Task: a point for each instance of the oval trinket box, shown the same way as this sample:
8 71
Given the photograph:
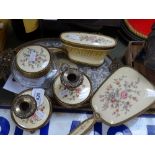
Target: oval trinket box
87 48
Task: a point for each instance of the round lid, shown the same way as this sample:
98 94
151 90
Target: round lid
39 118
72 98
33 61
88 40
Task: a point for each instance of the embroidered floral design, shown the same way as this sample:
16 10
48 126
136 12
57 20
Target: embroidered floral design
70 94
124 94
94 39
120 95
35 118
89 38
33 58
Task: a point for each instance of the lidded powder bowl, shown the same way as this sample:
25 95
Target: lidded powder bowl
33 61
34 66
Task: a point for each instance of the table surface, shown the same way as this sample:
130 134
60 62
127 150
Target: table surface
69 119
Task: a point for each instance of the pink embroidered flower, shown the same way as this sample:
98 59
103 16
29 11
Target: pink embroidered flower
113 100
124 94
77 90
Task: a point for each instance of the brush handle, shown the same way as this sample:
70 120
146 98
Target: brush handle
84 127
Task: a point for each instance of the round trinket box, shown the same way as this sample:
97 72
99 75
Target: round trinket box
33 61
28 112
72 88
34 66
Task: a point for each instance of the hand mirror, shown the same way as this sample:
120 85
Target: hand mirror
124 95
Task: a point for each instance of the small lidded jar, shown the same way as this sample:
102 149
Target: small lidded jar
33 61
72 88
34 66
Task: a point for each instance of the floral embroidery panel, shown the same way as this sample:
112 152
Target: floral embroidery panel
90 39
95 39
33 58
120 95
71 95
35 117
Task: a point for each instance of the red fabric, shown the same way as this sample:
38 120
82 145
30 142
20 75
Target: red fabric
142 26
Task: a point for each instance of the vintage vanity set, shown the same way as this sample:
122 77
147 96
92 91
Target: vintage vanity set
122 96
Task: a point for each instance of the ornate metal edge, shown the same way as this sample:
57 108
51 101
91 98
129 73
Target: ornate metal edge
19 97
66 82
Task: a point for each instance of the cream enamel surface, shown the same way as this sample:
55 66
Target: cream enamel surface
146 98
75 37
27 124
84 94
92 57
26 67
86 59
